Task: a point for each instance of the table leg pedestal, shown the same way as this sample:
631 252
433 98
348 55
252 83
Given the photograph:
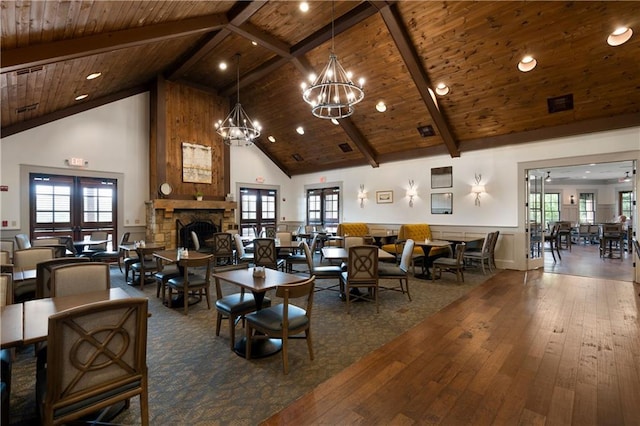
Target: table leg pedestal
260 348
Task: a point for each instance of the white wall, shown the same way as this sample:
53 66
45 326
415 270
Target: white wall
113 138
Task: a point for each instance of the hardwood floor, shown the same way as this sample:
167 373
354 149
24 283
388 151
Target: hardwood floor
585 260
561 349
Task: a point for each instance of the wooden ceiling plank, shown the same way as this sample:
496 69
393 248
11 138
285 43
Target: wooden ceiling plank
255 75
359 140
42 54
238 14
399 34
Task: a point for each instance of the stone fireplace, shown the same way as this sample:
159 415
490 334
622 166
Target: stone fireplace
162 216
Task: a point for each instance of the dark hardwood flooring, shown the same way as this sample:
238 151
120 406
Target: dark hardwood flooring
561 349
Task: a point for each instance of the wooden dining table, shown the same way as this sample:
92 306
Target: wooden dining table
258 286
426 246
28 322
340 253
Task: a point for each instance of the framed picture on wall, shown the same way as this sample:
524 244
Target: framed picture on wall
442 177
384 197
196 163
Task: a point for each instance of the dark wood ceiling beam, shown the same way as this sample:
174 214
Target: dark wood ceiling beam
75 109
42 54
407 51
341 24
241 12
264 39
359 140
273 159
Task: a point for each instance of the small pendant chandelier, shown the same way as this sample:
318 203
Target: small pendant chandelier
238 129
333 94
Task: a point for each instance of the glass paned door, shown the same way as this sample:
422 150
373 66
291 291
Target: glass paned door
258 211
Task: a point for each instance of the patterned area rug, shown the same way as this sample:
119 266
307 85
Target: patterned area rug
195 379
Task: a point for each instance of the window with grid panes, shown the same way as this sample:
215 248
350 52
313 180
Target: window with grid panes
551 207
587 207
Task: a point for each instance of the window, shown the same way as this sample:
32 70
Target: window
72 206
552 207
257 210
587 207
323 207
625 203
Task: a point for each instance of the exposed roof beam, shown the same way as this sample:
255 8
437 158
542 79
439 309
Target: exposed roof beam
75 109
264 39
359 140
238 14
407 51
42 54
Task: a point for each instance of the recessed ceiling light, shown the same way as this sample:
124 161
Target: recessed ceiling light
81 97
94 75
300 130
222 66
381 107
527 64
588 171
271 139
304 6
442 89
255 43
619 36
334 121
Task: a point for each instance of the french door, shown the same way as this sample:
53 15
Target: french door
323 207
258 210
72 206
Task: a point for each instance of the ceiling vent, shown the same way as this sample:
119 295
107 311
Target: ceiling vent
29 70
560 103
345 147
297 157
426 131
26 108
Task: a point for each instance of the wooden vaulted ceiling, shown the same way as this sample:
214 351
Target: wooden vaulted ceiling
401 48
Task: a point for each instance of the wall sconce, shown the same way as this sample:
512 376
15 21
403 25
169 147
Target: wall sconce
478 188
411 192
362 195
573 201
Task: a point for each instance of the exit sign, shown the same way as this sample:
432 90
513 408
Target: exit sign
78 162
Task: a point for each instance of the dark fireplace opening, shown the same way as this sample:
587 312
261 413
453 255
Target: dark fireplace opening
203 228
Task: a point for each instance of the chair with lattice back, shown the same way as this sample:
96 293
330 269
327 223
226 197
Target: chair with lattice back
362 273
96 357
265 254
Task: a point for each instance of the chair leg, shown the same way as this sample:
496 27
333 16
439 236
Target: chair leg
249 334
285 355
218 323
307 333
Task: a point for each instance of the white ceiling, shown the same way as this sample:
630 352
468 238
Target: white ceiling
609 172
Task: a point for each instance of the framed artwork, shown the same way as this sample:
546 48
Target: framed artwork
442 203
442 177
196 163
384 197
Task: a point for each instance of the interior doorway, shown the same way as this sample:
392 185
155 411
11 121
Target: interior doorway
592 193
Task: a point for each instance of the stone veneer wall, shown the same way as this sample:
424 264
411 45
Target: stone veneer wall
161 225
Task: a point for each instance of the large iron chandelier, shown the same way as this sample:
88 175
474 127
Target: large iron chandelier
332 94
238 129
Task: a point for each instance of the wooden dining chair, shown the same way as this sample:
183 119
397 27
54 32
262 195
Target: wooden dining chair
222 248
96 356
77 278
234 306
25 260
194 281
391 271
265 254
284 321
453 264
43 273
362 273
241 255
147 265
